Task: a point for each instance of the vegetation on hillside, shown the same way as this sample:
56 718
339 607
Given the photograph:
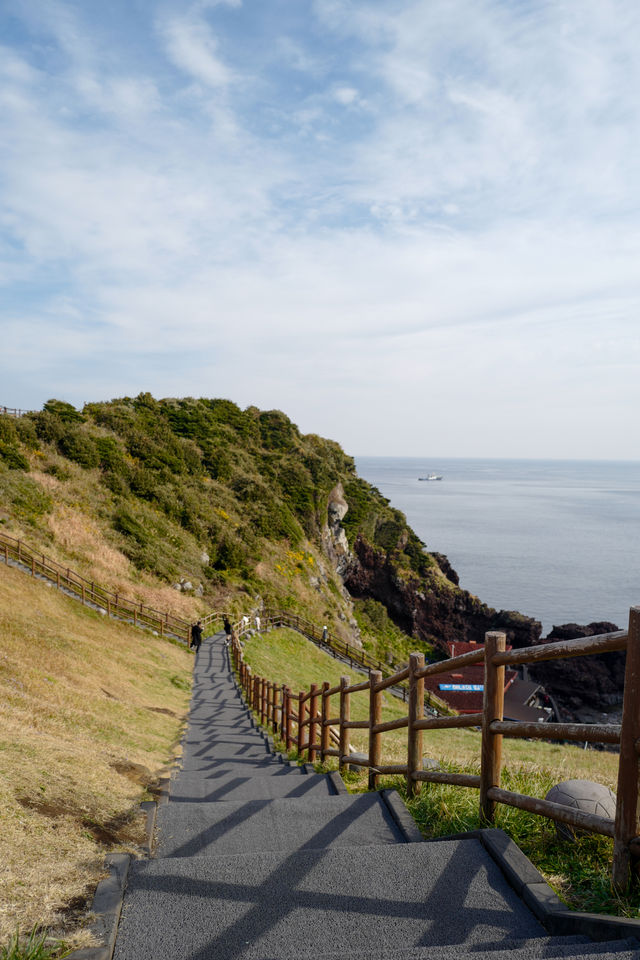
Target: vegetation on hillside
233 501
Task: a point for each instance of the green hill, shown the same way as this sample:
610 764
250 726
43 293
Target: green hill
144 495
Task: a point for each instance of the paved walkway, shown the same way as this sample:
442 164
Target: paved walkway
259 860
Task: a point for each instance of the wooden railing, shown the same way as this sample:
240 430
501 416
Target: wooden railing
355 656
308 729
88 591
14 411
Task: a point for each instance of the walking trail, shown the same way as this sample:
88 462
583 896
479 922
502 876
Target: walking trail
260 860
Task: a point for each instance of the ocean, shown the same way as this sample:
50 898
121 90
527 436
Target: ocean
556 540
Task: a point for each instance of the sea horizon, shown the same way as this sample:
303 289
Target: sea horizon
554 539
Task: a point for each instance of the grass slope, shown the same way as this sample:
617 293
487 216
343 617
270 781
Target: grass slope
89 713
579 872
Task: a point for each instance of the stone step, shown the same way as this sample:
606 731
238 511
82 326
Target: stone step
219 789
537 948
209 766
293 905
287 824
217 750
237 767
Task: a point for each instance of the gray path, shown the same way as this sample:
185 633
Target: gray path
260 860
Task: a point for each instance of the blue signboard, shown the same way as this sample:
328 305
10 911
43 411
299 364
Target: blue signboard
464 687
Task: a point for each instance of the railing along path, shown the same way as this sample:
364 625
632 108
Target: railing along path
89 592
306 721
312 729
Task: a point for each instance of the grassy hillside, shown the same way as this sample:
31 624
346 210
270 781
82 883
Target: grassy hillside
140 494
579 872
90 711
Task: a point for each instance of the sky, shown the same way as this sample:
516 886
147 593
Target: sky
411 225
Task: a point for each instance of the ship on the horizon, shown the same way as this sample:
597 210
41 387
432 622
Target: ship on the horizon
432 476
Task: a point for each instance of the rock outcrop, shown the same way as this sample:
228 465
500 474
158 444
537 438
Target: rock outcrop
594 683
432 608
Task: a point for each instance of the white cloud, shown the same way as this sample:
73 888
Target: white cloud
193 47
458 247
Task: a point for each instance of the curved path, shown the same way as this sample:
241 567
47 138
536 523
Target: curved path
259 860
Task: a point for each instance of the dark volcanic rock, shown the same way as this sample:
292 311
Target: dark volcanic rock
432 608
595 682
445 566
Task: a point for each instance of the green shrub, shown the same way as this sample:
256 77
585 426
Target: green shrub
26 430
64 411
23 497
79 446
12 457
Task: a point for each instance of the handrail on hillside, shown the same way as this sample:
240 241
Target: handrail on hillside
90 592
309 730
14 411
357 657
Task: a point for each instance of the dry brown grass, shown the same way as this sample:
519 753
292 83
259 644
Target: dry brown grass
89 713
71 536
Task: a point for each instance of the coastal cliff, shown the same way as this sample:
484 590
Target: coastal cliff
218 505
431 608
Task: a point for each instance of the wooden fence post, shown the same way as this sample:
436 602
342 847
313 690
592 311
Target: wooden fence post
493 707
345 716
416 712
286 717
313 722
626 823
375 717
325 729
302 710
263 701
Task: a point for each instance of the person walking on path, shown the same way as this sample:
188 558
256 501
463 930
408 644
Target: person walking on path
227 628
196 635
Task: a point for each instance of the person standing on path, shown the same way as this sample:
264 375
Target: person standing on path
196 635
227 628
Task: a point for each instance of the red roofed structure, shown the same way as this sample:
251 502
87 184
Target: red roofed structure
463 688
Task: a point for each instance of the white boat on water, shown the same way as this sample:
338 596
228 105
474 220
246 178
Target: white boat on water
432 476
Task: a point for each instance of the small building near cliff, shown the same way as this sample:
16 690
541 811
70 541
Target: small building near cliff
463 689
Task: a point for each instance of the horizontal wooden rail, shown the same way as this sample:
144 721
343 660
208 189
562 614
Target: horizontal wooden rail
444 666
356 687
448 723
556 811
439 776
356 724
331 752
603 643
392 768
393 680
580 732
357 761
391 725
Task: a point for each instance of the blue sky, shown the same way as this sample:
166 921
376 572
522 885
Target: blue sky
412 226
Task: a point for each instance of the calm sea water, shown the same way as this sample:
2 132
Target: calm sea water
556 540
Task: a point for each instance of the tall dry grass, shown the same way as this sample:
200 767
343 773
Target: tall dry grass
89 713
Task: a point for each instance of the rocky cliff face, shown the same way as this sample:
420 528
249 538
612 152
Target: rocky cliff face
435 609
583 684
432 608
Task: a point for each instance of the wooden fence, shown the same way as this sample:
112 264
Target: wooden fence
306 721
14 411
354 656
90 592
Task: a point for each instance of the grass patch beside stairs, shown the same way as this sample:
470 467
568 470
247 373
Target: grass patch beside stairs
90 711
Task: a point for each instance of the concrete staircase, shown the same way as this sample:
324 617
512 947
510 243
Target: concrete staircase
260 860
